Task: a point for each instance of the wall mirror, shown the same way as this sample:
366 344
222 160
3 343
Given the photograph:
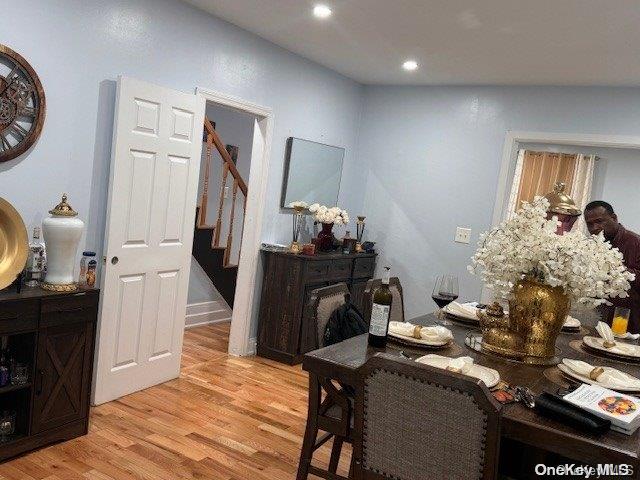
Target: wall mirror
312 173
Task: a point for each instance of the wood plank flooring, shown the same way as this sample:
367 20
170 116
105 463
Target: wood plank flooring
225 418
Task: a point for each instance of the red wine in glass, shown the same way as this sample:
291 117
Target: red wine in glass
444 292
443 299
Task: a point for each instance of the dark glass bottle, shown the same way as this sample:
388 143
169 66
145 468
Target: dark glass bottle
380 311
5 368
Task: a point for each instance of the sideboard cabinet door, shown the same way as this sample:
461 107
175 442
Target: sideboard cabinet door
62 375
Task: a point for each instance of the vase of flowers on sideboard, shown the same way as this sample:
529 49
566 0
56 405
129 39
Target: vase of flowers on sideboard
328 217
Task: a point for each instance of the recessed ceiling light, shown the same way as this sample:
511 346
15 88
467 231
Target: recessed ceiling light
410 65
322 11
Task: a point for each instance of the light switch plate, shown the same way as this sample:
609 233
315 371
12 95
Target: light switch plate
463 235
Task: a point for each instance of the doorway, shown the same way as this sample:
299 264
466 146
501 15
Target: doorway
248 276
222 198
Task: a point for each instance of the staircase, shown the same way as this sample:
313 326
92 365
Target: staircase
213 256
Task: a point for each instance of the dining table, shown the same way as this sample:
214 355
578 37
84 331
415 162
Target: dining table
520 424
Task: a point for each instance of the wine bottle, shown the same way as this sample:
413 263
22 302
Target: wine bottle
380 311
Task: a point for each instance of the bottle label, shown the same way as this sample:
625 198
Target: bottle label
379 320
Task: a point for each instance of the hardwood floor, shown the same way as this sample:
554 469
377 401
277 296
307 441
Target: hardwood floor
225 418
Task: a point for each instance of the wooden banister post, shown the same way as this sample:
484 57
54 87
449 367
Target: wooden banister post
227 253
202 220
223 184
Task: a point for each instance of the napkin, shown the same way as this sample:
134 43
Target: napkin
611 377
464 310
406 329
459 365
606 333
571 322
628 335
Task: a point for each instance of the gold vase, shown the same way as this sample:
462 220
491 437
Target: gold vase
536 315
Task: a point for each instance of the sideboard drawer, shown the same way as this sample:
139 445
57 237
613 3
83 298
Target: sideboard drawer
317 270
68 309
341 269
18 316
364 267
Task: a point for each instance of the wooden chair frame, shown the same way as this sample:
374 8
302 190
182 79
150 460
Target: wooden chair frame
426 373
318 418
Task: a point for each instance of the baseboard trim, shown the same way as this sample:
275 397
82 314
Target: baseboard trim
204 313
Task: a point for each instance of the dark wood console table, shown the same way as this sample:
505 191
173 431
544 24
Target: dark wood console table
54 335
286 287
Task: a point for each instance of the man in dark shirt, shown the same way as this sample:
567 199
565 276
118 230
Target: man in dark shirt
600 217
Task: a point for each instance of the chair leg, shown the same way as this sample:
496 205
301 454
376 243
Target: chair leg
336 450
311 431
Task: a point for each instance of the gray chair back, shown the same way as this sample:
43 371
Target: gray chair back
397 305
415 422
322 303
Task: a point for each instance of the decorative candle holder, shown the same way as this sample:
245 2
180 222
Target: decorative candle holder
359 233
297 226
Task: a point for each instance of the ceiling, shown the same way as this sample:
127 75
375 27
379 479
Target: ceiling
456 42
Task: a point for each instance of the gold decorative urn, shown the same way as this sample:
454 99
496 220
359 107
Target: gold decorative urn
529 332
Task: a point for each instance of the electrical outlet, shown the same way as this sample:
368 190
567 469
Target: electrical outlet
463 235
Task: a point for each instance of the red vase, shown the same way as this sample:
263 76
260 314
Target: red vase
325 237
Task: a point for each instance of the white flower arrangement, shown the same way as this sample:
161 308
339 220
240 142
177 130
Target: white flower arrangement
326 214
299 205
586 267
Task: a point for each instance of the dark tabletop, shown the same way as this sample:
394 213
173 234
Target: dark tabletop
340 362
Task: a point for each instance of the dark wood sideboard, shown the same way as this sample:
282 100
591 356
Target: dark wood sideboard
286 287
54 334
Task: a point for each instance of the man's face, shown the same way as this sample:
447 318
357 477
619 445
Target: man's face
599 220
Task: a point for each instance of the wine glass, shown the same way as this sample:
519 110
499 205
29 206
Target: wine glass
444 292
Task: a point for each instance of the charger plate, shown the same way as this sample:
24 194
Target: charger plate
14 244
418 342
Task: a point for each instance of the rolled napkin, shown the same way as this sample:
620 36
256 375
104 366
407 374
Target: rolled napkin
610 377
436 333
606 333
628 336
571 322
460 365
464 310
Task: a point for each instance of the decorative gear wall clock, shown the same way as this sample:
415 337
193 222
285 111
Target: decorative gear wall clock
22 105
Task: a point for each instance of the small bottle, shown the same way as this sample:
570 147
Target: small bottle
82 278
346 243
5 368
380 311
35 262
91 272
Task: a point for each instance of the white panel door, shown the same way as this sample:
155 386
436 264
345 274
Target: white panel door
153 187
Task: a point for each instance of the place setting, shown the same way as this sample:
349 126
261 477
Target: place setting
608 345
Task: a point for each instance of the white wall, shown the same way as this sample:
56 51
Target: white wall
79 47
430 157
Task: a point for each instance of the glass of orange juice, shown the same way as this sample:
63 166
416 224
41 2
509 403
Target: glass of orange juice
620 320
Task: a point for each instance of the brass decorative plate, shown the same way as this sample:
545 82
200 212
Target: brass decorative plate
14 244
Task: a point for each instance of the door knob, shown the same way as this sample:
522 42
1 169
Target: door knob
114 260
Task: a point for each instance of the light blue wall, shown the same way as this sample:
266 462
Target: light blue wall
79 47
430 157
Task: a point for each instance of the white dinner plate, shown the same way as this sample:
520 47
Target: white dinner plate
621 348
567 371
420 341
489 376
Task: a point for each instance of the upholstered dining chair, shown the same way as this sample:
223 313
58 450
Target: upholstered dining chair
330 406
417 422
397 305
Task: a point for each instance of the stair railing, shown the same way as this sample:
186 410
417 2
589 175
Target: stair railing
228 167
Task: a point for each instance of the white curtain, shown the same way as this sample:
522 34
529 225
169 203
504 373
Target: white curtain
582 183
515 186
